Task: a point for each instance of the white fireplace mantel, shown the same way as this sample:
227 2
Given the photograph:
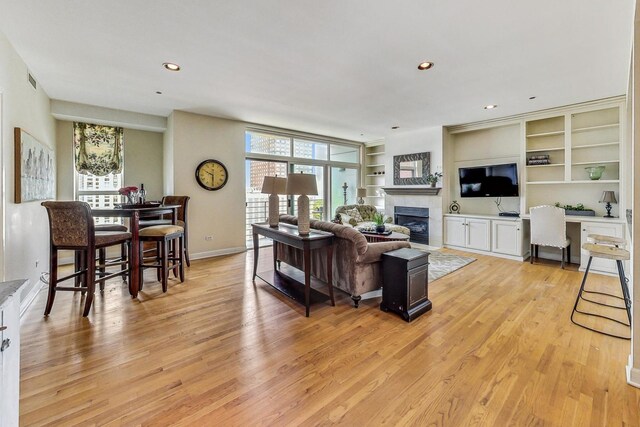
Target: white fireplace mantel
410 191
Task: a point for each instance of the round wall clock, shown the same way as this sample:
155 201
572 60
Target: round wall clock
211 175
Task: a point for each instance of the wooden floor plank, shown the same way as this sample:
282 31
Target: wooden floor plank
497 348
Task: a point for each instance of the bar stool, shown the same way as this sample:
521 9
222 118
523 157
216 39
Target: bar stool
181 220
71 227
169 257
102 253
606 247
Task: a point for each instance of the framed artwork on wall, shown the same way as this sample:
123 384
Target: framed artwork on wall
35 169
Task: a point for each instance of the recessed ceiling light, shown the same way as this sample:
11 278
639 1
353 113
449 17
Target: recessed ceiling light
532 97
425 65
171 66
490 107
395 127
158 92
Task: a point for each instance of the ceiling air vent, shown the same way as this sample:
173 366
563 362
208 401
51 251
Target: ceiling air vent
32 80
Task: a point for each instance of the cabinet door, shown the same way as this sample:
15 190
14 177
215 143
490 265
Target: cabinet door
478 234
599 264
506 237
454 231
10 386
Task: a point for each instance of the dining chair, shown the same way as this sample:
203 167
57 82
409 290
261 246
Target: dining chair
169 256
181 220
71 227
548 228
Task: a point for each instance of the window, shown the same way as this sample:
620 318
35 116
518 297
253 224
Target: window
98 152
336 166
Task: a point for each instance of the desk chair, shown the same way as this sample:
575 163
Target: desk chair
71 227
548 228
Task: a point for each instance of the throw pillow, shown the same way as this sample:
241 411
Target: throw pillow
355 214
347 220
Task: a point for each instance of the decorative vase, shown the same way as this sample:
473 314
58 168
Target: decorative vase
380 228
595 172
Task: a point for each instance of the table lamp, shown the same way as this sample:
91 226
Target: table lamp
361 193
274 185
304 185
608 197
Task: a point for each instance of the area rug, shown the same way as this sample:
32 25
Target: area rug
441 264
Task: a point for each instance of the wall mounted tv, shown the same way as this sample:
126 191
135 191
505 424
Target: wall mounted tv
489 181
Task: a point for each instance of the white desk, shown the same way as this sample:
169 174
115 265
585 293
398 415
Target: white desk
592 225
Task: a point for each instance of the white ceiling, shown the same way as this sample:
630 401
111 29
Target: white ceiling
335 67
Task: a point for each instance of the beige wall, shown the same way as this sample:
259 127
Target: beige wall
143 160
212 213
25 247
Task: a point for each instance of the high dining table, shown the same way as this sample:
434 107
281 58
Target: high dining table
134 213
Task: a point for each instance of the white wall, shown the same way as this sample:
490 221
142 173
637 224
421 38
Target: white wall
25 225
425 140
221 213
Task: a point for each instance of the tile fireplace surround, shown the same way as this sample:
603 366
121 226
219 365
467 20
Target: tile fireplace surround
434 203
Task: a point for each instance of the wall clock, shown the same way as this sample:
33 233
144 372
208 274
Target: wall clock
211 175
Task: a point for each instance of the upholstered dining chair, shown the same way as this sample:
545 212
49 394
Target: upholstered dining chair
548 228
71 227
182 220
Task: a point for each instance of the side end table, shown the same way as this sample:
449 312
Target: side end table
405 288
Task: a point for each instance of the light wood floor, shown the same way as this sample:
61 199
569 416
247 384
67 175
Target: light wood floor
497 349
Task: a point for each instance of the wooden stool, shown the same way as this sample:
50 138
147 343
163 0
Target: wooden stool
165 236
601 239
606 252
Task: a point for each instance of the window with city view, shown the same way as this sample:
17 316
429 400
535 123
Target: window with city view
271 154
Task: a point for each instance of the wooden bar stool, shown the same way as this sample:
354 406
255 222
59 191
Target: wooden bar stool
605 251
102 253
71 227
169 257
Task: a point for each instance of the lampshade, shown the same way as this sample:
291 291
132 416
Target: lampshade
274 185
608 197
362 192
302 183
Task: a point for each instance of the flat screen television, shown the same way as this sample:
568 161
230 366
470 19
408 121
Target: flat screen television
489 181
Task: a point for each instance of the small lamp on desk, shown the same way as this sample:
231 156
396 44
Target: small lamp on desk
274 185
361 193
304 185
608 197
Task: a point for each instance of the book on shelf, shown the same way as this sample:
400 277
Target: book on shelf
538 162
539 157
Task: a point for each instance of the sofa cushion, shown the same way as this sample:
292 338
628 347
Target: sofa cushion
355 214
347 220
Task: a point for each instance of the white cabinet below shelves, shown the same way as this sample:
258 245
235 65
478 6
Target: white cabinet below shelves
507 237
471 233
499 237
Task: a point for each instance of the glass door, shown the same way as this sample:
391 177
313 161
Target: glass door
344 183
257 204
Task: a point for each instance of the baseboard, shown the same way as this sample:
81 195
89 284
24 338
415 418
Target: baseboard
31 297
633 374
219 252
495 254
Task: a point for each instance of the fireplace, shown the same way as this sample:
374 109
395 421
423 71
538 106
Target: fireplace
416 220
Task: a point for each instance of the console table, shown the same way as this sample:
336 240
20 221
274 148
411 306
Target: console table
289 285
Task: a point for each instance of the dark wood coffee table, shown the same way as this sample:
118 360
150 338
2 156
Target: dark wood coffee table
374 237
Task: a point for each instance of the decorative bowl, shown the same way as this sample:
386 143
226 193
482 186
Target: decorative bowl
595 172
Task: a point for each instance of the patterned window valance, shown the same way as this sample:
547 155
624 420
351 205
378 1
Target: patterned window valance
98 149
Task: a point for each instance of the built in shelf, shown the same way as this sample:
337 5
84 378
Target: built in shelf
545 166
537 135
380 175
374 185
596 163
409 191
539 150
588 181
589 128
377 153
374 166
604 144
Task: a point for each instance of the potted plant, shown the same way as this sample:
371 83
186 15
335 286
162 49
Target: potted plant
433 178
579 209
378 220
